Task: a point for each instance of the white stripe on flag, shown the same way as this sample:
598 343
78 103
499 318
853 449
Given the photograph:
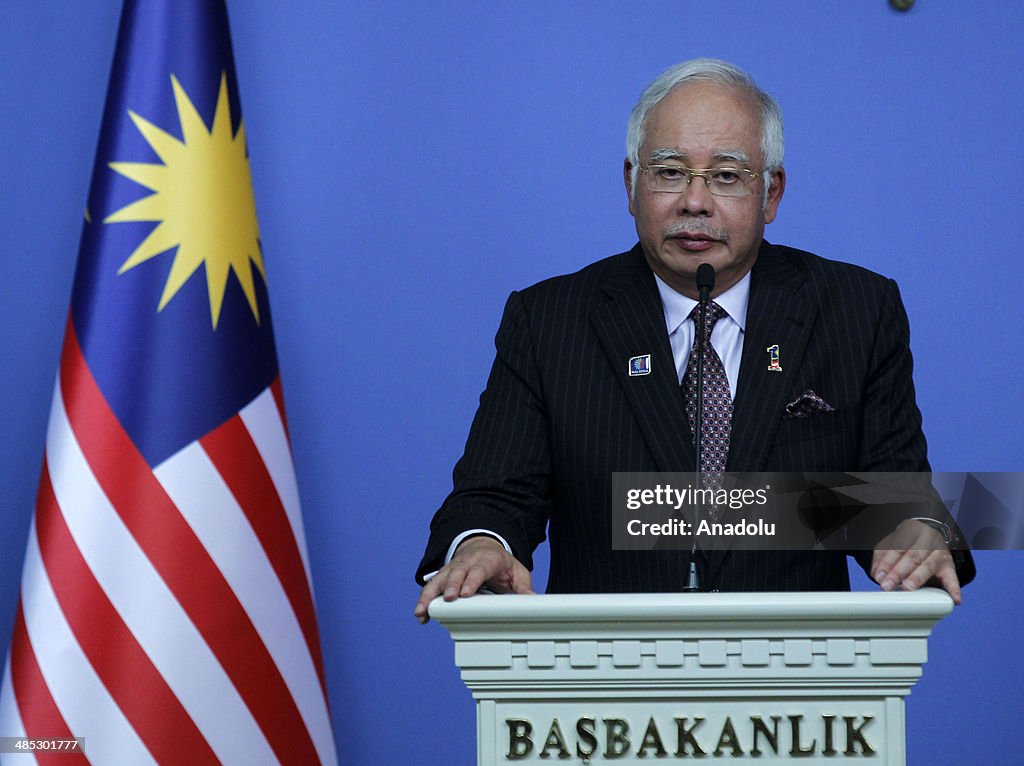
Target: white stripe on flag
263 421
147 606
80 696
10 721
196 487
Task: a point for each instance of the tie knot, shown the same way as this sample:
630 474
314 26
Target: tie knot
714 313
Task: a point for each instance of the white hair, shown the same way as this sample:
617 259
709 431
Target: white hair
707 70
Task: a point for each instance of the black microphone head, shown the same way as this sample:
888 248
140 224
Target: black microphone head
705 278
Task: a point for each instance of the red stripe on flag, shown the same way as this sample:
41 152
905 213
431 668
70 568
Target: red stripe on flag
39 713
184 564
236 458
123 666
278 392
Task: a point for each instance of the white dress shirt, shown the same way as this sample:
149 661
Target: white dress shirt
726 336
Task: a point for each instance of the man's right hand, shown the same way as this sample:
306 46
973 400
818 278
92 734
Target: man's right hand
478 561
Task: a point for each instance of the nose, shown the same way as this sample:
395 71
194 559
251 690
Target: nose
697 198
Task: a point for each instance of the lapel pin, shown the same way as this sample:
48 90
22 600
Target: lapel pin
774 365
640 365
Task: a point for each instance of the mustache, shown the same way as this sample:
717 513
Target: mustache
697 227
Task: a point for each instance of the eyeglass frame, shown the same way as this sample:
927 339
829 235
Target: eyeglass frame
704 173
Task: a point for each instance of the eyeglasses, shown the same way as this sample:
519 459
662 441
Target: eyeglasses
722 182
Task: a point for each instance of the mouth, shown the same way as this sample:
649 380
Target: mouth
694 242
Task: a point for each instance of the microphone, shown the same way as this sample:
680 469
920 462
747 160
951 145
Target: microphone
705 284
705 281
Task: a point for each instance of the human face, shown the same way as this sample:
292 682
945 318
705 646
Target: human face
703 125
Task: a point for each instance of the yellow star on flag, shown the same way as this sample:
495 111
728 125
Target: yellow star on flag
203 200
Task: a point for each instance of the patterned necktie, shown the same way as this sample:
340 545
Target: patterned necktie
717 415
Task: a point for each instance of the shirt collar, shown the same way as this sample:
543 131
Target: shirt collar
677 306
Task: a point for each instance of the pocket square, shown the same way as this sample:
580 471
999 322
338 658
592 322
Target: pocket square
805 405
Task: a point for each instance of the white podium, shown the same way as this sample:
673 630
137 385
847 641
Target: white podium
766 678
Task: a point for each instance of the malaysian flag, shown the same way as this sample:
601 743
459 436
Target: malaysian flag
166 611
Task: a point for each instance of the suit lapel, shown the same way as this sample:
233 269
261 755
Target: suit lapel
630 324
777 314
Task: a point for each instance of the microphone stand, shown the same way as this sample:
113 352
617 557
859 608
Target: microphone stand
705 283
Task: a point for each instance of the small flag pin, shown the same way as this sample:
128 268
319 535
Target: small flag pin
640 365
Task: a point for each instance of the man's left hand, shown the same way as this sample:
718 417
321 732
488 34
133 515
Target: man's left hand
912 556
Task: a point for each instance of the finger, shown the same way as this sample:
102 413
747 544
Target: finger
523 587
430 591
921 574
907 562
911 535
937 569
476 575
515 579
883 562
522 580
947 577
454 578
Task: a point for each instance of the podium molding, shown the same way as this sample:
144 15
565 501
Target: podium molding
770 678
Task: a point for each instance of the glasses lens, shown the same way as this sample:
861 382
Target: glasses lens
668 178
728 182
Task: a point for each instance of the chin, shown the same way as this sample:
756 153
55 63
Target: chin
686 262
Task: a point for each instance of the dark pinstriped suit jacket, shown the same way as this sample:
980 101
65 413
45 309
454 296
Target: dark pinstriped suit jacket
560 414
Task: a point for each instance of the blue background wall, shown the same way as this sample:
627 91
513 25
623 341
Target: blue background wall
415 162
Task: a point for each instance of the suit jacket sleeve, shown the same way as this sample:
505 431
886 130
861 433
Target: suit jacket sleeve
502 482
892 437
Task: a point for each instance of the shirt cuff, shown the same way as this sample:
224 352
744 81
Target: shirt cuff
458 541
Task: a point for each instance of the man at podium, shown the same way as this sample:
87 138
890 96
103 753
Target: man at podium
805 366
